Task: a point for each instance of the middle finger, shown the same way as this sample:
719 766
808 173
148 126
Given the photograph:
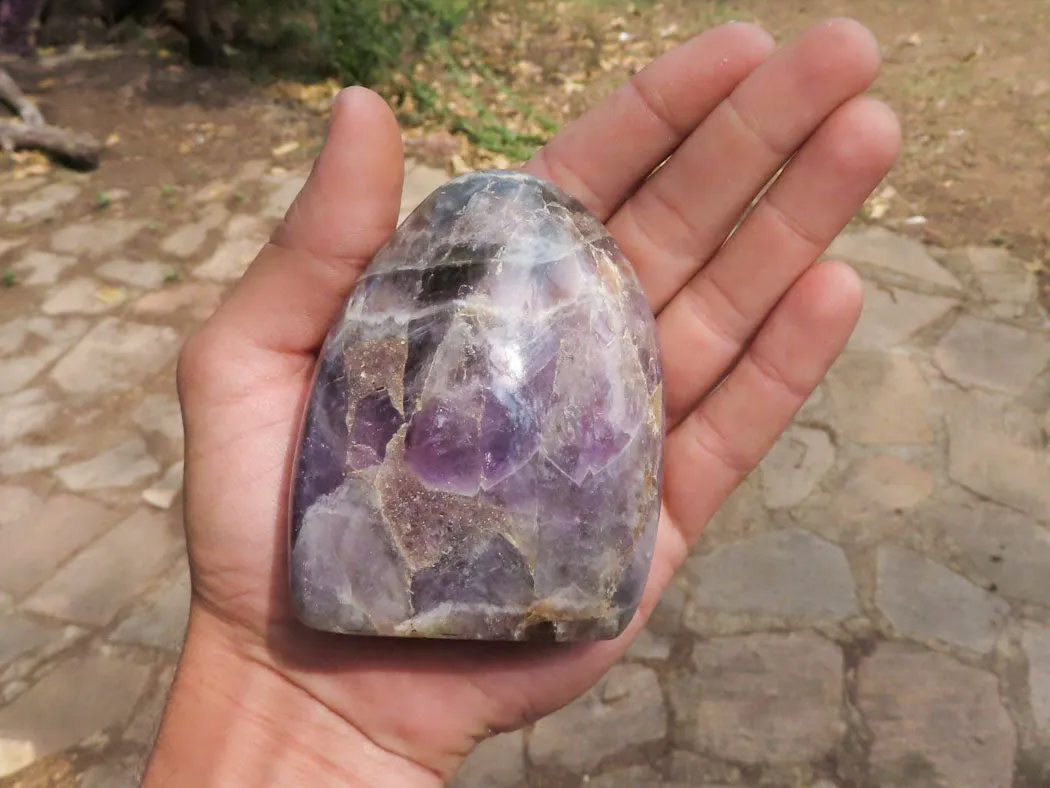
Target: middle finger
682 215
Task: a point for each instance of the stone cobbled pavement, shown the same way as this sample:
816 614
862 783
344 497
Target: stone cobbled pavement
872 608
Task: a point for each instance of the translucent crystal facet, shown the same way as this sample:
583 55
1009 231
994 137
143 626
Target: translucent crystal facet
481 452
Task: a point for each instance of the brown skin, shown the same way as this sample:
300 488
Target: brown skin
258 699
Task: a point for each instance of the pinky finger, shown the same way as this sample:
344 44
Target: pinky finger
728 434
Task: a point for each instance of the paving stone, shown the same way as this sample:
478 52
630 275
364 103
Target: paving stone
24 412
160 414
60 527
163 493
1035 640
79 698
145 725
689 769
926 601
892 315
283 196
789 573
1000 275
162 624
13 335
25 330
19 371
629 777
84 296
245 236
19 186
42 268
246 225
992 355
419 183
211 192
761 698
795 466
884 483
121 466
625 708
96 237
8 244
666 618
116 355
43 203
882 249
106 576
15 755
144 275
990 454
25 458
199 298
650 646
936 723
20 635
187 240
880 399
118 774
498 762
15 503
1005 547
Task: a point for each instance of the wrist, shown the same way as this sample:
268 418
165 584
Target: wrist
231 721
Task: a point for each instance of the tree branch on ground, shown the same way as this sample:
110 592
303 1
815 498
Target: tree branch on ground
77 149
74 148
12 96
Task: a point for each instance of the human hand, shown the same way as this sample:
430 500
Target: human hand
259 698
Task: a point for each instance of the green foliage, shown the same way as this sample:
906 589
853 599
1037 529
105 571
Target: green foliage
8 278
364 40
480 124
358 41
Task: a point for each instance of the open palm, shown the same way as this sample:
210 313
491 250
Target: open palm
755 312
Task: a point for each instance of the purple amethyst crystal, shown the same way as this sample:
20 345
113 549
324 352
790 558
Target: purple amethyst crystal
481 452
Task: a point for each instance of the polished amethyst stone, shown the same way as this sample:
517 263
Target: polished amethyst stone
481 452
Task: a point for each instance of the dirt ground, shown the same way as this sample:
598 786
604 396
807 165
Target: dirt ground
970 80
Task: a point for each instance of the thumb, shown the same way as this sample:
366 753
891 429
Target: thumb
348 208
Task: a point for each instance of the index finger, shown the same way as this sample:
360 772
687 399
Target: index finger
602 156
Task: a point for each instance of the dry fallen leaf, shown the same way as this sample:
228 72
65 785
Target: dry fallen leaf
879 204
286 148
160 497
459 166
111 295
30 163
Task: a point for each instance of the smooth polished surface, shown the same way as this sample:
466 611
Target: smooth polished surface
480 456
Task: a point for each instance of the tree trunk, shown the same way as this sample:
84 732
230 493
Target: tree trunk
12 96
205 46
141 10
16 22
